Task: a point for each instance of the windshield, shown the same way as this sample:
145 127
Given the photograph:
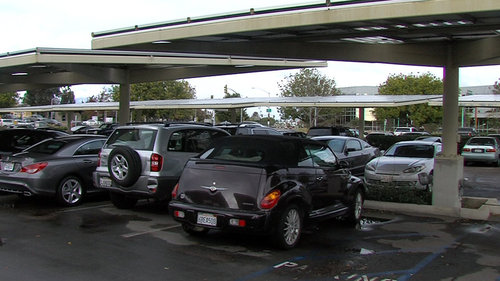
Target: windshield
411 150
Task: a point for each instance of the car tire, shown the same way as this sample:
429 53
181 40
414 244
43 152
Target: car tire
122 201
70 191
289 229
124 166
355 209
194 230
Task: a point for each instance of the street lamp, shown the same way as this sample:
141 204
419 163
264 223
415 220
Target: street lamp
241 109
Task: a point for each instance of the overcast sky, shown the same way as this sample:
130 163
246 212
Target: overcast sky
27 24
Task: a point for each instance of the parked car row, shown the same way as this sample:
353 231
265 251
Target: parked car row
260 184
29 123
212 180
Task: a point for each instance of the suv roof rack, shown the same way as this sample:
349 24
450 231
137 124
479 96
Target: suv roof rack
173 123
144 123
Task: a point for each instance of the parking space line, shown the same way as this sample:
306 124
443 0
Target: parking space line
133 234
404 274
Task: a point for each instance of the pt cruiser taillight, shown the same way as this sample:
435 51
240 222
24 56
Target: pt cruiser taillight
270 200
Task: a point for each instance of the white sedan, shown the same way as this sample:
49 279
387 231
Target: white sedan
406 164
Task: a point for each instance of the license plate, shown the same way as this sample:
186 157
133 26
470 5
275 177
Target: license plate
386 179
207 219
477 150
8 166
104 182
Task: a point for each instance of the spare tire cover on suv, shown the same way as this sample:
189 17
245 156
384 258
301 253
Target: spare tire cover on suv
124 165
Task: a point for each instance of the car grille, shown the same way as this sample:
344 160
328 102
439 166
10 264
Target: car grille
399 184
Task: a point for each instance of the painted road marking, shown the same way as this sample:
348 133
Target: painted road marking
133 234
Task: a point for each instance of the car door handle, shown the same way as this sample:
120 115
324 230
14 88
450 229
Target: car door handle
87 161
319 178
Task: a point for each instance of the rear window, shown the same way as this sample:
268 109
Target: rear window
193 140
251 151
320 132
139 139
482 141
47 147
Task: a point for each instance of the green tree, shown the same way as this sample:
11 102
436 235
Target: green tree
9 99
233 115
306 83
106 94
496 87
67 96
162 90
416 115
42 96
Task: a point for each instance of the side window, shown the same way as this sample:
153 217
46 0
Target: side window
321 156
192 140
90 148
260 132
305 159
353 145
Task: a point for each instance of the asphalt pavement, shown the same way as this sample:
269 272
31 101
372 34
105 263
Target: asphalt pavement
96 241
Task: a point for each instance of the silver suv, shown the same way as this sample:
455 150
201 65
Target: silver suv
146 161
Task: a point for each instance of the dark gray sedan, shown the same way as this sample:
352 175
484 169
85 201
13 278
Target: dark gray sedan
354 151
60 167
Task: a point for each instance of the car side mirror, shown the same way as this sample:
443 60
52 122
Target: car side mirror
343 164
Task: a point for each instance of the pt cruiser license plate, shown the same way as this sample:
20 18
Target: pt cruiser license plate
207 219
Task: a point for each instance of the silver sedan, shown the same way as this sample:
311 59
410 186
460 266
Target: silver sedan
406 164
60 167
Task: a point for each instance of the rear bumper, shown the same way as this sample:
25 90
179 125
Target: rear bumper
145 187
480 157
255 222
27 186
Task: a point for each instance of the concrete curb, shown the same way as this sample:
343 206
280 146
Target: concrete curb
475 208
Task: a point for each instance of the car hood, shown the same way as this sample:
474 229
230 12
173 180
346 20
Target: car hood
396 165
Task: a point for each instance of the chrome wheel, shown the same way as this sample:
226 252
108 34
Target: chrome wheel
358 206
70 191
119 166
292 226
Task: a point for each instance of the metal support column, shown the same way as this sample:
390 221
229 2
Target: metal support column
362 122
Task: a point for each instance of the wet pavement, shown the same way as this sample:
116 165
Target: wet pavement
95 241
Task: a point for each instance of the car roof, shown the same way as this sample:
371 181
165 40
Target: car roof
80 137
418 142
332 137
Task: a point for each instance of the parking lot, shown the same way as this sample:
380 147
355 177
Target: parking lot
96 241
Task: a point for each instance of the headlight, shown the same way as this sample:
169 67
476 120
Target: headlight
414 169
370 166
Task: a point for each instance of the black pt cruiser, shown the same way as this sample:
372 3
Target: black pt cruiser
269 185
